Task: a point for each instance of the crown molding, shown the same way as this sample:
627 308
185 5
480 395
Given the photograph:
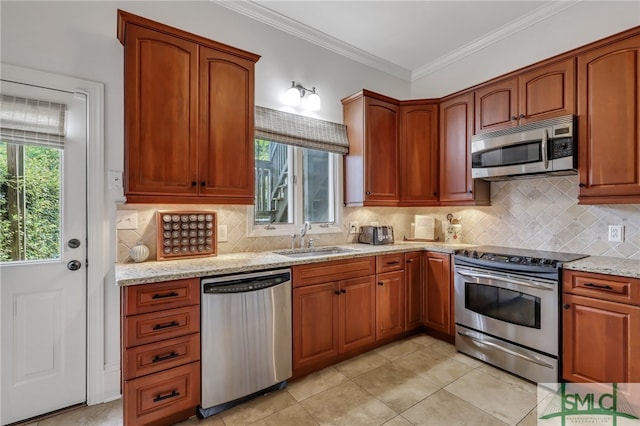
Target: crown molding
513 27
276 20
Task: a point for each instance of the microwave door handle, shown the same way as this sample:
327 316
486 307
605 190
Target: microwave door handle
545 156
505 279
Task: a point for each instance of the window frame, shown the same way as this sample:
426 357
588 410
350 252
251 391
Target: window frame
318 228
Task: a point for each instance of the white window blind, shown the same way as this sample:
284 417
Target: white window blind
32 122
298 130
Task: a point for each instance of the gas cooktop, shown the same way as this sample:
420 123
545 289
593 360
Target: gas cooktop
515 256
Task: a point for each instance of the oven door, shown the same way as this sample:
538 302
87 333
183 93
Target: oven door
512 307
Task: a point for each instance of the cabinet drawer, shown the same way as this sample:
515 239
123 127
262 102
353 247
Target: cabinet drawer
390 262
316 273
601 286
155 326
139 299
153 357
162 398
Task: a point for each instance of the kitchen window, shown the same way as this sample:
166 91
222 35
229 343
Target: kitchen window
298 178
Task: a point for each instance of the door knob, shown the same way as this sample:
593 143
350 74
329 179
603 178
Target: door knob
74 265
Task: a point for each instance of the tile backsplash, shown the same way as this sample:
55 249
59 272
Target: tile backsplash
540 214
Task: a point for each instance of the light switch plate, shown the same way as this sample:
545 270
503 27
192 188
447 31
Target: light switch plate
222 233
126 219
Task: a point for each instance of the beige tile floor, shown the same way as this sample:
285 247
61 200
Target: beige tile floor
416 381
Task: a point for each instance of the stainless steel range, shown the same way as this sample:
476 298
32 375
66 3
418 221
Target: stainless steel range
507 308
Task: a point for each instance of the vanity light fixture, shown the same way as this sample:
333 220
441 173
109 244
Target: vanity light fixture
296 93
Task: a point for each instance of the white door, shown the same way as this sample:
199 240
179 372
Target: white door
42 252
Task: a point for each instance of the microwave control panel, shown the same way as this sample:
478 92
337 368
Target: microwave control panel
562 147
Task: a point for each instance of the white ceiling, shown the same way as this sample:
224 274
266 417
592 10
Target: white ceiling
407 39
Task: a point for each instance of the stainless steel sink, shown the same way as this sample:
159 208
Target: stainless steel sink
314 252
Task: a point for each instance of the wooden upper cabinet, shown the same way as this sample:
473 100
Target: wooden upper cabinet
609 117
371 167
496 105
161 107
188 116
548 91
536 94
226 125
456 127
419 154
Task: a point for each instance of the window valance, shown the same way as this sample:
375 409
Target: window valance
298 130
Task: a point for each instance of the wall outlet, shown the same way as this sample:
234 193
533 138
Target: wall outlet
222 233
616 233
354 227
375 223
126 219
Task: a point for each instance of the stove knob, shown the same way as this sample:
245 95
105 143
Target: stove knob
474 254
515 259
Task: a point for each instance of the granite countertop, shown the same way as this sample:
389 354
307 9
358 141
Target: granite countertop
149 272
606 265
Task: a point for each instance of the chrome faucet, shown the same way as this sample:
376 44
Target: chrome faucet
303 232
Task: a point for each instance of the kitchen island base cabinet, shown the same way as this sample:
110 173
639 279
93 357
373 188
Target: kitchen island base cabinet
601 328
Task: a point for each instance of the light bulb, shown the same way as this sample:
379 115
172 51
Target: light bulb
292 97
312 103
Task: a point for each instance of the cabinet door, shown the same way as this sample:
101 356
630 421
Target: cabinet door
315 324
381 153
413 279
547 92
496 106
226 147
601 341
390 304
456 127
161 104
438 307
609 113
419 155
357 313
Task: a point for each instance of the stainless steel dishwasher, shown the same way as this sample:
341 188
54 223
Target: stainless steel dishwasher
246 337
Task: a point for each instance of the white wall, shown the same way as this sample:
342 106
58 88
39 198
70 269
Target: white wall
78 38
583 23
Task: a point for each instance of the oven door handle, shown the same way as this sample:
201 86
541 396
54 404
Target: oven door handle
505 279
545 153
503 349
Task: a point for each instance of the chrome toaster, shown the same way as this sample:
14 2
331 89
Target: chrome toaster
376 235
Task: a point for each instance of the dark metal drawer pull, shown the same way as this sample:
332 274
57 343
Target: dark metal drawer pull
393 263
173 394
161 326
159 358
162 296
602 287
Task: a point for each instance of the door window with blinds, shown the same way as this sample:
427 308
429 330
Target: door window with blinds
31 154
297 162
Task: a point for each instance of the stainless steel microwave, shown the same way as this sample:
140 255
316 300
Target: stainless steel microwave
537 149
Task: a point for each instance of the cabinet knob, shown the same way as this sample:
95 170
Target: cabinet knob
514 118
566 306
343 291
203 183
470 191
337 292
380 283
521 115
582 185
368 193
435 194
194 183
409 260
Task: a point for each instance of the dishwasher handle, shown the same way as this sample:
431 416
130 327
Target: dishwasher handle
238 284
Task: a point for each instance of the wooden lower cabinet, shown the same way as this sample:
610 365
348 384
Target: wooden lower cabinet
160 352
331 319
601 328
390 304
438 306
413 280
